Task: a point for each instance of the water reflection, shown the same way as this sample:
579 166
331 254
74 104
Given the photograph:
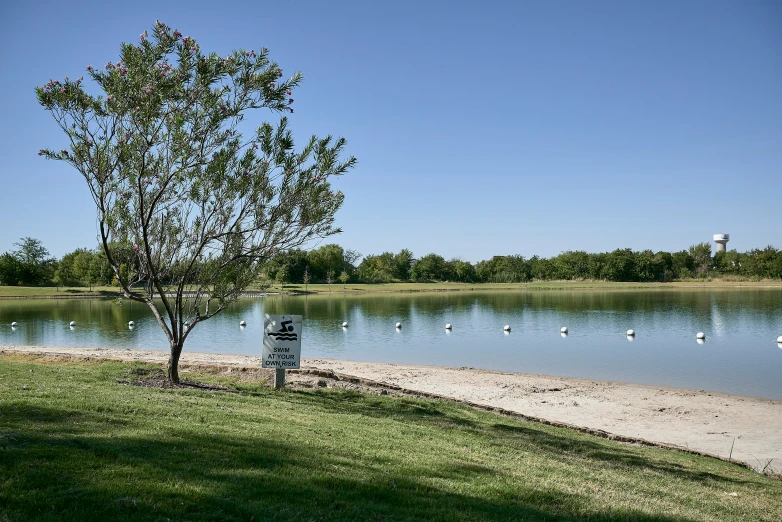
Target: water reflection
738 324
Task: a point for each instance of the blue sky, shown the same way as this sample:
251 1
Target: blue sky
481 128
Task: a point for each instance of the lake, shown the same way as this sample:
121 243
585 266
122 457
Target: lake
740 354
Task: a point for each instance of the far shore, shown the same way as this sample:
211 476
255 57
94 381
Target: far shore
729 427
112 292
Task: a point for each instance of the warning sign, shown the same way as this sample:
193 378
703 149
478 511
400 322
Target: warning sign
282 341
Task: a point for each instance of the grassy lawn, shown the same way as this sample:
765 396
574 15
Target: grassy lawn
63 291
353 288
361 288
78 442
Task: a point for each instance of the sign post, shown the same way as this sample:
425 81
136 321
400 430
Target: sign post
281 345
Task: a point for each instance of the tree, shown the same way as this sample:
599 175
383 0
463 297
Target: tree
10 270
431 267
701 257
295 262
330 278
402 264
67 272
343 277
34 265
326 258
306 278
170 174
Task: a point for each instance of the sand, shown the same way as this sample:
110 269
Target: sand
746 429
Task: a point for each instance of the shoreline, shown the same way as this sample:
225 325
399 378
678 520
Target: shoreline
729 427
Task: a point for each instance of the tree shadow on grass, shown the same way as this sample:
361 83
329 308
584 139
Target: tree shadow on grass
79 465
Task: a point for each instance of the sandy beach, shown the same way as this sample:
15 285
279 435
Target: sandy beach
745 429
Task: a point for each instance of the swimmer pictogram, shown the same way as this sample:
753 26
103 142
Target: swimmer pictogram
285 333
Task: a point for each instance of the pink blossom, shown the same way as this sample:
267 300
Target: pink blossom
177 34
62 90
135 248
291 109
109 98
40 152
290 100
89 68
65 152
280 74
255 145
288 92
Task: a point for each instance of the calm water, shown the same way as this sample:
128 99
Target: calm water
740 354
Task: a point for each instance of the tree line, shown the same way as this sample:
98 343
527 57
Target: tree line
332 262
32 265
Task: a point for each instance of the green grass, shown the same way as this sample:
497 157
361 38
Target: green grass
77 444
63 291
337 288
360 288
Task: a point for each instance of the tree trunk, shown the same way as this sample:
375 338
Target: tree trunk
173 363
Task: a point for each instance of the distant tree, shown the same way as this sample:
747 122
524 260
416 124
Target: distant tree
377 269
682 264
306 278
344 277
201 206
431 267
701 257
620 265
350 257
67 273
295 261
10 270
282 277
35 265
326 258
401 265
571 265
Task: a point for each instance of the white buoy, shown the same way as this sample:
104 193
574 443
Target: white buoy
506 328
700 335
448 327
563 330
242 323
15 324
399 325
345 324
131 324
72 323
779 339
630 333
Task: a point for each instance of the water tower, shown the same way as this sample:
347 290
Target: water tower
721 240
